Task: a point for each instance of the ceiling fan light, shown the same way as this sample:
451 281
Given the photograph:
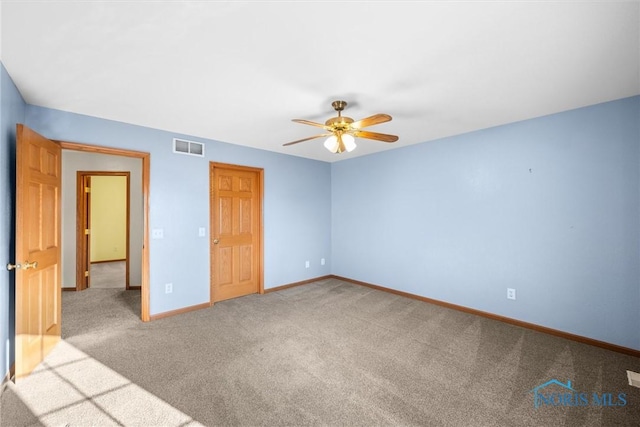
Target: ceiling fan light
332 144
349 142
344 142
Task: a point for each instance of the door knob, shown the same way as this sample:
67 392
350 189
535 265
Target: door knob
216 241
27 265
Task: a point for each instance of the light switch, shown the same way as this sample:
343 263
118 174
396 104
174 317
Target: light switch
201 232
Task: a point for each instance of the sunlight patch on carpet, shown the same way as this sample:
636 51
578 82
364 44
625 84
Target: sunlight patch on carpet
70 385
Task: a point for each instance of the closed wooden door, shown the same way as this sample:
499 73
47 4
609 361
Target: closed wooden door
236 254
38 288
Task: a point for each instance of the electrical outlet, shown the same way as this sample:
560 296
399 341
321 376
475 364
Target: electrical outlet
306 264
511 293
168 288
157 233
321 261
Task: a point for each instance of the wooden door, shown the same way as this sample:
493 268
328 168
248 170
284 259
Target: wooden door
83 230
38 288
236 231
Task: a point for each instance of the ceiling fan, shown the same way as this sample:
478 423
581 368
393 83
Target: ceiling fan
343 130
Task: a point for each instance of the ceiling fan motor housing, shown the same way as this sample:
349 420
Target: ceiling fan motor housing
339 123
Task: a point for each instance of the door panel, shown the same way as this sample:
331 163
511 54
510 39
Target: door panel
38 290
236 199
246 262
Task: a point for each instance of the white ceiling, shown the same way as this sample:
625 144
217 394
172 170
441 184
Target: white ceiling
239 71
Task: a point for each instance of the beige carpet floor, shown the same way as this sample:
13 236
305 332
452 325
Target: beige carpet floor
328 353
108 275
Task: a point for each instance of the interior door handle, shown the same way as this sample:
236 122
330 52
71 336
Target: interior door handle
27 265
216 241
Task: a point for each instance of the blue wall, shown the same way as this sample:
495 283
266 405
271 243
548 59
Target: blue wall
12 111
549 206
296 217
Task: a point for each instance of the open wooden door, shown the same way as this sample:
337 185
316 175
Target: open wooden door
38 226
83 230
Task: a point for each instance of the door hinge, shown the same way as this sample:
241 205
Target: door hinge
86 274
87 189
86 231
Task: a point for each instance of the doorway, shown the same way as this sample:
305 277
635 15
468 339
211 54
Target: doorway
138 257
103 227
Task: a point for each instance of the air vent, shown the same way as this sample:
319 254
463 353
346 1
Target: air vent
183 146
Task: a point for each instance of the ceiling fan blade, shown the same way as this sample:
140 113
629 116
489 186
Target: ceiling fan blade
306 139
370 121
307 122
374 135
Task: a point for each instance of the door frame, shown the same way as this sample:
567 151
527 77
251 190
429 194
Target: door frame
146 168
260 174
83 252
